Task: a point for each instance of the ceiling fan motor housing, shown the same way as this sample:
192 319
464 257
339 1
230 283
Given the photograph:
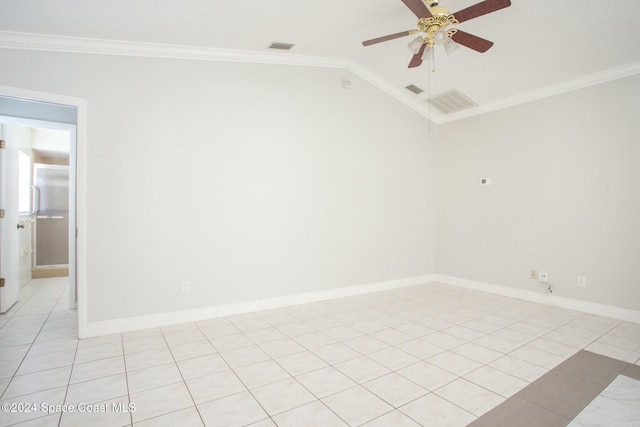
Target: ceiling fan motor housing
440 19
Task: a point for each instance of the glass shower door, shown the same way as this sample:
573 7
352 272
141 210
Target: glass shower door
51 231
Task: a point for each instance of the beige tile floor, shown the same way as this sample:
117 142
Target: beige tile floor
432 355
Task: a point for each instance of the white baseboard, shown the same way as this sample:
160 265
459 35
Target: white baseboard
619 313
171 318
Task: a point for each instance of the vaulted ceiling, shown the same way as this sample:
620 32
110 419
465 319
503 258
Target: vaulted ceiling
541 47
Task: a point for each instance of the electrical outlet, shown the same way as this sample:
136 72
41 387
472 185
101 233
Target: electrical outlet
534 274
582 281
185 288
392 265
543 276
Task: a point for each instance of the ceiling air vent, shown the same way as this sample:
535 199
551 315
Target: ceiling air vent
415 89
451 101
280 46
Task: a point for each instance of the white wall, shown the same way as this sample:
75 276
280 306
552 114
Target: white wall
564 195
249 181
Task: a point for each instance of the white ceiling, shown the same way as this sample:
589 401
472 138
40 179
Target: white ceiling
541 47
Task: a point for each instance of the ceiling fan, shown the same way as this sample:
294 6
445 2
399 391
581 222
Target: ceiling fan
433 28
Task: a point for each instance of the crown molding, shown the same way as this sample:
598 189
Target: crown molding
66 44
56 43
623 71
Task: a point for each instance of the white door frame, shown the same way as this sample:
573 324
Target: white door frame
77 174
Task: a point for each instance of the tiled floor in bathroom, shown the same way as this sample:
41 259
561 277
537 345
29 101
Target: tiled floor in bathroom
432 355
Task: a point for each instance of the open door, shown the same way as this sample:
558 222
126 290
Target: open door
9 231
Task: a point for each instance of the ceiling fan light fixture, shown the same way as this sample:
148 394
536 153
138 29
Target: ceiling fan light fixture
440 37
450 46
436 26
415 45
428 54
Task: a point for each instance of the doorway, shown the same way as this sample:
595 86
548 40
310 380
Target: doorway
38 195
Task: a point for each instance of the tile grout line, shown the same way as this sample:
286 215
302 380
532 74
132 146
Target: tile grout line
234 373
126 375
181 374
73 365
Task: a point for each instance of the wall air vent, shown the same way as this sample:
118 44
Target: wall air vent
451 101
415 89
281 46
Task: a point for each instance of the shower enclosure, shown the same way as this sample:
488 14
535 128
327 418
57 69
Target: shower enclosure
51 212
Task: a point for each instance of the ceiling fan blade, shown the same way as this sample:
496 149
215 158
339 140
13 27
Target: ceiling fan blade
418 8
385 38
416 61
480 9
472 42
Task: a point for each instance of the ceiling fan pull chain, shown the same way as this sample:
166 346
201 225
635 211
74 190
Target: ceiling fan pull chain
429 99
433 63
